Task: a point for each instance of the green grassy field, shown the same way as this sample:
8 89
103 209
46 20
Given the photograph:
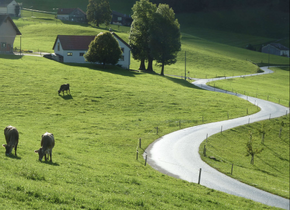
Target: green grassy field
96 131
270 170
273 87
97 127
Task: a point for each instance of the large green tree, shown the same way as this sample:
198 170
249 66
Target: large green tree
164 36
104 49
99 11
143 11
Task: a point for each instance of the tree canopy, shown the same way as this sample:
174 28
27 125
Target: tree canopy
99 11
154 34
164 36
143 11
104 49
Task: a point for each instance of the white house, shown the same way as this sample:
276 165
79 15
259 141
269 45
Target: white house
8 32
9 7
71 49
276 49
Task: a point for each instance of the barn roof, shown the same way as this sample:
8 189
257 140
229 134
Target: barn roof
74 42
66 11
4 3
279 46
7 18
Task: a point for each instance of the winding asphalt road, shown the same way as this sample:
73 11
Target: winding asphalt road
176 154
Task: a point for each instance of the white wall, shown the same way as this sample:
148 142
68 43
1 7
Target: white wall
7 33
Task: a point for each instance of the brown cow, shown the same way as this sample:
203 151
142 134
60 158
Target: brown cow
47 143
12 137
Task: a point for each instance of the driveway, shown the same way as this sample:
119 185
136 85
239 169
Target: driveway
176 154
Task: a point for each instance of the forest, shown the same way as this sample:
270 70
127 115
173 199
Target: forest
181 6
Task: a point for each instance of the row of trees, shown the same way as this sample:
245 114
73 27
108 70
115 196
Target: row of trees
154 35
180 6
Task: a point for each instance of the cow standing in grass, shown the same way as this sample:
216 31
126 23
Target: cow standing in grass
47 143
64 87
12 137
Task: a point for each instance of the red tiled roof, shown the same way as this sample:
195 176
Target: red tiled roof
69 42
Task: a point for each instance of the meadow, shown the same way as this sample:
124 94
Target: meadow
97 127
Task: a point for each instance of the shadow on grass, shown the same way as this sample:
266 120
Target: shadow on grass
10 56
182 82
49 163
66 97
14 157
108 69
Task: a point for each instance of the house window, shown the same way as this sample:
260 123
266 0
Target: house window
3 45
122 50
58 47
82 54
119 18
69 54
122 58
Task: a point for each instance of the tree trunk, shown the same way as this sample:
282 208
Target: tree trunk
142 65
252 160
162 70
150 63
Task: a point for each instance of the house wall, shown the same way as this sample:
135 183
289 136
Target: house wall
284 53
11 8
77 16
269 49
63 17
7 36
3 10
125 63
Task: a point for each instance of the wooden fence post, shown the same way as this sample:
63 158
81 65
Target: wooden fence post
232 169
199 176
145 159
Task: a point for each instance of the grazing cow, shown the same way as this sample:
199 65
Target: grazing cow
12 137
47 143
64 87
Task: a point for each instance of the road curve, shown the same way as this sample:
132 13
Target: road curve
176 154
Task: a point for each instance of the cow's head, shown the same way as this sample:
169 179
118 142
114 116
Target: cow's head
40 153
8 149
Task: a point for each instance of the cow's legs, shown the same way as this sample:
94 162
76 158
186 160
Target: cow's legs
15 149
50 156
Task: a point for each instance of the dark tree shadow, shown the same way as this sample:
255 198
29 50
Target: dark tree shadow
183 82
10 56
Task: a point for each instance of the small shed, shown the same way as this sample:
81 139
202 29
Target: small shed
71 49
9 7
8 32
276 49
72 14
